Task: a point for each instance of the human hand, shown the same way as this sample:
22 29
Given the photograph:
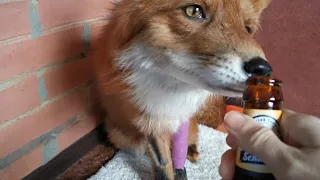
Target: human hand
296 158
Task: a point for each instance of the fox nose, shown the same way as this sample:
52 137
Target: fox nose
258 67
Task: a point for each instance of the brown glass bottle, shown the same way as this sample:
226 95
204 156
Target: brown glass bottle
263 101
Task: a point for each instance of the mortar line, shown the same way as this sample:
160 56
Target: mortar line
42 139
9 1
54 30
34 19
15 79
45 104
42 89
50 150
74 24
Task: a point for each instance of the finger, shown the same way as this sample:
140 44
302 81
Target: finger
226 168
300 129
231 141
257 140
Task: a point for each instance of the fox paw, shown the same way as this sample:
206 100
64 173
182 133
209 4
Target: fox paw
193 154
180 174
160 174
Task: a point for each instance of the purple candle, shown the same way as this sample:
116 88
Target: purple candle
180 146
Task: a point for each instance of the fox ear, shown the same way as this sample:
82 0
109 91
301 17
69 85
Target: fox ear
260 5
124 24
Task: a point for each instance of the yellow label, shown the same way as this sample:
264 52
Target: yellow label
269 119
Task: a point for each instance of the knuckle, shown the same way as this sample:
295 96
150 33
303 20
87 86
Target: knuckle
260 136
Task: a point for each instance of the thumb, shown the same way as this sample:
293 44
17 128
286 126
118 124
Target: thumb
256 139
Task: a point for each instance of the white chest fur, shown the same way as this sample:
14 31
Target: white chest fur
167 108
167 101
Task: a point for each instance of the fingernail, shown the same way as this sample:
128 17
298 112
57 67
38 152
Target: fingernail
234 121
226 115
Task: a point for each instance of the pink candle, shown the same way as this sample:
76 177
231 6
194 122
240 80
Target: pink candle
180 146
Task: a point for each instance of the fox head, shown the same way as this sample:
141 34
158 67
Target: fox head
206 44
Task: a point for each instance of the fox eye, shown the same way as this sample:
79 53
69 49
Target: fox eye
249 29
194 11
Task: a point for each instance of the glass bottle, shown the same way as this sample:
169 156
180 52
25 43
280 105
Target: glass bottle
263 101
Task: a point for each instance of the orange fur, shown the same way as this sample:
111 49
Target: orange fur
160 25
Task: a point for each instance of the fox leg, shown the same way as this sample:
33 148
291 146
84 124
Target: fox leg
159 150
193 151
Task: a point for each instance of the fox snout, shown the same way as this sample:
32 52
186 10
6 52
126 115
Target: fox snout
257 67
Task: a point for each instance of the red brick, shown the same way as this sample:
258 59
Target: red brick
19 99
31 55
23 131
68 76
63 12
23 166
93 95
73 134
14 19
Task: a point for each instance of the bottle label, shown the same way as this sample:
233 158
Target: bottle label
269 119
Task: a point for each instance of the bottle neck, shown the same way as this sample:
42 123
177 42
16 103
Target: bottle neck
263 105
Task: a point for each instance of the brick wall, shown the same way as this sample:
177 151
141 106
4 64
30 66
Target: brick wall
46 87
